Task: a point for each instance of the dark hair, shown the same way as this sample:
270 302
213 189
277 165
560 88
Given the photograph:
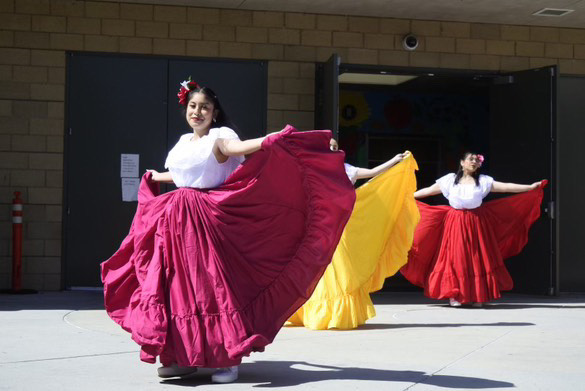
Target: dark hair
475 174
222 118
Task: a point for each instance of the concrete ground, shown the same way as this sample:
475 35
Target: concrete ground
65 341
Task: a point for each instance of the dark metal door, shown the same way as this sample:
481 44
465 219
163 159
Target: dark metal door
571 185
128 105
115 105
522 150
327 110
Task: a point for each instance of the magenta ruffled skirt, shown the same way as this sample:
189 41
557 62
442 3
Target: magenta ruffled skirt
206 277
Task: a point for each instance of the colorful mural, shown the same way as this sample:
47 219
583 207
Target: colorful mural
456 122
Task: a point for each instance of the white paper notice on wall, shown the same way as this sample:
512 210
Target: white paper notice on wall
129 165
130 189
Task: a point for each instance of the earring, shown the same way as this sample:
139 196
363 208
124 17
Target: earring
214 120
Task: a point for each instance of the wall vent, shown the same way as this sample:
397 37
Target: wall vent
552 12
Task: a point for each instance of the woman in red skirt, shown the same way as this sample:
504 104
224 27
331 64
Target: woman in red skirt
211 271
459 250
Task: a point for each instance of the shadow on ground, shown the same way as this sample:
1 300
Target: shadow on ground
66 300
385 326
508 300
94 300
505 306
273 374
508 306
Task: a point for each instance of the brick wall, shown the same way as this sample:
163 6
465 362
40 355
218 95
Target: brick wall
34 35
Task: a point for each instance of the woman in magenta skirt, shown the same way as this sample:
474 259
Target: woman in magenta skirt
459 250
211 271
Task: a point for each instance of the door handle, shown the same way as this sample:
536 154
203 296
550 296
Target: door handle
549 209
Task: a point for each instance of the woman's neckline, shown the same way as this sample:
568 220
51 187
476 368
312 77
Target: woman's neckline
191 139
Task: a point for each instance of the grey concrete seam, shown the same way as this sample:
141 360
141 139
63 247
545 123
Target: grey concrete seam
459 359
70 357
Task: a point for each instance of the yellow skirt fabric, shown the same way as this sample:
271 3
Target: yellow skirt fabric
374 246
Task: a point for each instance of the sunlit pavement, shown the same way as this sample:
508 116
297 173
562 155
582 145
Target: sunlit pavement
65 341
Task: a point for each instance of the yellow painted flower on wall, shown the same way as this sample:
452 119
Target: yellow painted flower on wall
353 109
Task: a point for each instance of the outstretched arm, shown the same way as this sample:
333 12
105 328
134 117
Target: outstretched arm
363 173
233 147
225 148
500 187
428 191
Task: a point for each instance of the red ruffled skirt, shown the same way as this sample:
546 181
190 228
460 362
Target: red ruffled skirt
460 254
206 277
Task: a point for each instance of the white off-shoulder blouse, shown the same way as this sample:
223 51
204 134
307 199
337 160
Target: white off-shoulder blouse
193 164
465 196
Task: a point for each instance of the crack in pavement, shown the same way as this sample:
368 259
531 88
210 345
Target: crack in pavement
425 377
68 357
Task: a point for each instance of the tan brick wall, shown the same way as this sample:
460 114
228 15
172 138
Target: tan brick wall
34 35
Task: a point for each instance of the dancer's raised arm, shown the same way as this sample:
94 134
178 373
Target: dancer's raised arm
231 147
363 173
428 191
501 187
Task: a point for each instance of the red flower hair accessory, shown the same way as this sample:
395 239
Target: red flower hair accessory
186 86
481 159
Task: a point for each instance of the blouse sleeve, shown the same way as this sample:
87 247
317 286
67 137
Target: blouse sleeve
351 172
227 133
445 183
485 182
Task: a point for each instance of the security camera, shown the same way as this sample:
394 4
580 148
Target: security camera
410 42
